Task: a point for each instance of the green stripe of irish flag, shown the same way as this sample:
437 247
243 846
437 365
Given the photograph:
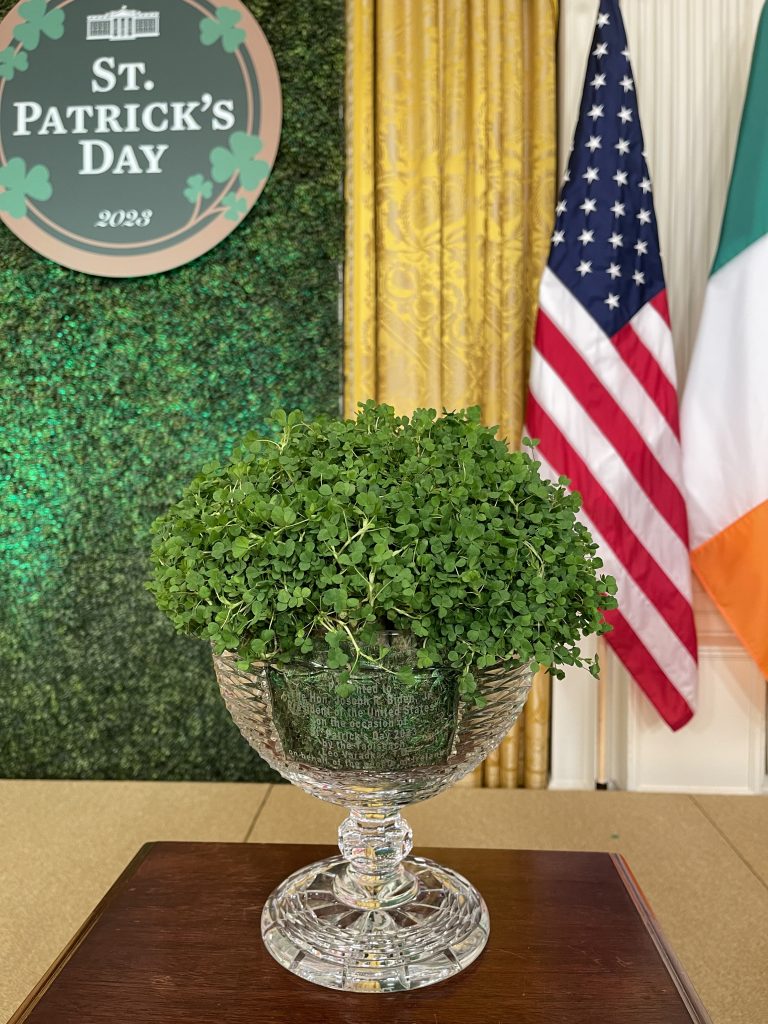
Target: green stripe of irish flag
746 215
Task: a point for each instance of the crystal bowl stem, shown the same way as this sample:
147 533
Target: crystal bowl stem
374 844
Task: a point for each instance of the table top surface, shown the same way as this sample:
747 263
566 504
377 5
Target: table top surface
177 939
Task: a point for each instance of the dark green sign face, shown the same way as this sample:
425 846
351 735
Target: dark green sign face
133 139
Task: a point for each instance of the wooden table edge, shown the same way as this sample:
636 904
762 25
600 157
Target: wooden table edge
80 935
675 969
677 973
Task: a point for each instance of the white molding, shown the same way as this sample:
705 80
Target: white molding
702 790
574 714
721 750
570 784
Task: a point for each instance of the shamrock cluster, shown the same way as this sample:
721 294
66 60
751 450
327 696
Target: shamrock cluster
314 542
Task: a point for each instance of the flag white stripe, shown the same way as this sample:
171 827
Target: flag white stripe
661 642
586 336
651 328
585 437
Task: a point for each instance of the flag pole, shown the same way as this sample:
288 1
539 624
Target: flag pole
601 776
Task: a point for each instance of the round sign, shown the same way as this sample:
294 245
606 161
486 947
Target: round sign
133 140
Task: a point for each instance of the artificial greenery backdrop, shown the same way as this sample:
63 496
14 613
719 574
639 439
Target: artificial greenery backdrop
112 394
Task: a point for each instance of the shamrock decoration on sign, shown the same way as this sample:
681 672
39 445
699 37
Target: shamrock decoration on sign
235 207
198 187
11 62
37 22
20 184
222 27
239 159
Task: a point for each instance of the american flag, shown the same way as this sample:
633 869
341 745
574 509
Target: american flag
603 396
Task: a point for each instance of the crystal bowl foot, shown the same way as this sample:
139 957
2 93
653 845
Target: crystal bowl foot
436 934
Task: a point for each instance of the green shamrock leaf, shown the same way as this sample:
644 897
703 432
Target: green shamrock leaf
239 158
20 184
198 187
236 207
37 22
222 27
11 62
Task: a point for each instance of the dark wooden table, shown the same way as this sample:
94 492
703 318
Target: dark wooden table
177 939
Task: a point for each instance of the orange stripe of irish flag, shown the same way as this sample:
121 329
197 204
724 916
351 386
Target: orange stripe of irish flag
732 569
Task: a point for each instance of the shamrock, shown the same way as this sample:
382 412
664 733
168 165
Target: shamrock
239 158
20 183
198 187
12 61
236 207
36 21
222 27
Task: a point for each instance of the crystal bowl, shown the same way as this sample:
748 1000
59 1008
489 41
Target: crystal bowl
373 919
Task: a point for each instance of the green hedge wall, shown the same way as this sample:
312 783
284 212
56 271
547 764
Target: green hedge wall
112 394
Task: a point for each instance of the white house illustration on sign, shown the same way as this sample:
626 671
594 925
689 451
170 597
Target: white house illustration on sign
124 25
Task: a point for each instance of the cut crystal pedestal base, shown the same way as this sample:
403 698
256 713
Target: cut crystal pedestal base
434 925
374 919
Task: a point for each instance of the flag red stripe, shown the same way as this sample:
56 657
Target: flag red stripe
639 662
673 607
649 373
661 305
608 415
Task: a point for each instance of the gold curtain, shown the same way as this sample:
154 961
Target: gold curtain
450 187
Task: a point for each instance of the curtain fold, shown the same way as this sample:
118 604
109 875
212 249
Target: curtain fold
450 189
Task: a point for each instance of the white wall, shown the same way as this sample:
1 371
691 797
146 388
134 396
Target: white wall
691 62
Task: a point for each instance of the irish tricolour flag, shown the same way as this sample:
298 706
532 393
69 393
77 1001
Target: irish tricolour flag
725 406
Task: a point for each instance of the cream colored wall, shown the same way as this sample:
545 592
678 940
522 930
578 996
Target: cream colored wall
691 63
